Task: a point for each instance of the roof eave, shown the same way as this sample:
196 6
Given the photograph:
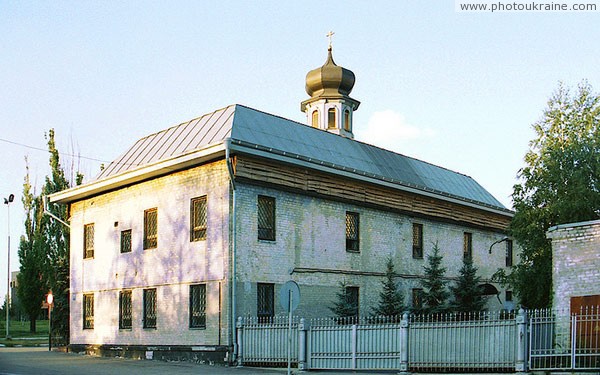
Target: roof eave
130 177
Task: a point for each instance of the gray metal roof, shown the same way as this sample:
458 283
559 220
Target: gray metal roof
273 134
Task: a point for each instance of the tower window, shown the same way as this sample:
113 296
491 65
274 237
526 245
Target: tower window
331 118
347 120
315 118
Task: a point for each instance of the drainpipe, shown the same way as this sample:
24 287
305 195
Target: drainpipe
46 212
233 249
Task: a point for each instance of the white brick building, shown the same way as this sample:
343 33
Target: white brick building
205 221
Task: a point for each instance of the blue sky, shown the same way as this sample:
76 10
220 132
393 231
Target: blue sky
459 90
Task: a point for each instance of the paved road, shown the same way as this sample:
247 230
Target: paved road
39 361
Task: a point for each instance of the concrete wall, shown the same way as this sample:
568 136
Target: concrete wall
170 267
575 261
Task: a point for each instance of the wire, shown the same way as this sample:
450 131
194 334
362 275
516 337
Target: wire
46 150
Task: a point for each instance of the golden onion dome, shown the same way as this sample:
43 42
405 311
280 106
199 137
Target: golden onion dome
329 80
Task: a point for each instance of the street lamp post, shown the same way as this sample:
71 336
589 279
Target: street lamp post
7 202
50 299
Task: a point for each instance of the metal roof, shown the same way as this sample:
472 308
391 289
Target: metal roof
276 135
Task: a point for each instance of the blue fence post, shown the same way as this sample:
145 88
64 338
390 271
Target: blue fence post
303 328
404 344
240 346
521 363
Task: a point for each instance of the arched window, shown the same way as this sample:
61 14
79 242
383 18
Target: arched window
315 118
347 120
331 118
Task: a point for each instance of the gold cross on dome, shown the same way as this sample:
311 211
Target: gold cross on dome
330 36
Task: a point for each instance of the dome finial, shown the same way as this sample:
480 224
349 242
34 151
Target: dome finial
330 36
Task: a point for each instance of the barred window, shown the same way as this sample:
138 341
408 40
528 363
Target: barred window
417 241
88 241
150 228
88 311
125 309
198 306
352 293
149 308
266 218
417 298
468 245
352 232
265 302
198 219
126 241
509 253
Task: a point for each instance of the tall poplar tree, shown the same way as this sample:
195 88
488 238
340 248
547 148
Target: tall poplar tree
559 184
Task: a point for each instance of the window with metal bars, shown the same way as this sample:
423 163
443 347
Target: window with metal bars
126 241
417 249
468 245
198 219
198 306
417 298
150 228
509 253
266 218
352 232
88 311
149 308
125 309
88 241
265 301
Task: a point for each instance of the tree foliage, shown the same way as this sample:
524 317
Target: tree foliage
435 293
391 299
344 306
559 184
466 292
44 248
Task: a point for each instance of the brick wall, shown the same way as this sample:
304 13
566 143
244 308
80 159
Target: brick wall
575 261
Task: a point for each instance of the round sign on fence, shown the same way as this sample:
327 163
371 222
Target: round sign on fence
289 290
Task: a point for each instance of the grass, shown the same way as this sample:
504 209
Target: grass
20 335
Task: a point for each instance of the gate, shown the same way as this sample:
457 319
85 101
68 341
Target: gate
563 341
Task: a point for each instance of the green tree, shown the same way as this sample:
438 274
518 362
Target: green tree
559 184
466 292
31 279
345 306
435 294
391 299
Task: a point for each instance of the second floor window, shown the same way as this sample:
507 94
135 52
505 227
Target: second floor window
352 232
266 218
150 228
417 248
126 241
198 219
468 245
88 241
509 253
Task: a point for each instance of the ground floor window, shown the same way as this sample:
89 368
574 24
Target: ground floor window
88 311
125 309
149 308
198 306
265 301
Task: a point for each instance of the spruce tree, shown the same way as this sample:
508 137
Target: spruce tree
391 299
466 292
344 306
435 294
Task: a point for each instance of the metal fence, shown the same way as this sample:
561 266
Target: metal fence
483 342
564 341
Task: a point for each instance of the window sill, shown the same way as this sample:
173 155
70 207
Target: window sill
198 328
353 251
267 241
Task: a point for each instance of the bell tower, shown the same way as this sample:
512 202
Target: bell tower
330 106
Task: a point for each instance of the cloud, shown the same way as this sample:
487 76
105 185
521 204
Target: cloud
389 129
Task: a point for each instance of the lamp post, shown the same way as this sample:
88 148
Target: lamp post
497 242
50 299
7 202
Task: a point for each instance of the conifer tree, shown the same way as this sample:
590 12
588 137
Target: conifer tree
466 292
435 294
391 299
344 306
